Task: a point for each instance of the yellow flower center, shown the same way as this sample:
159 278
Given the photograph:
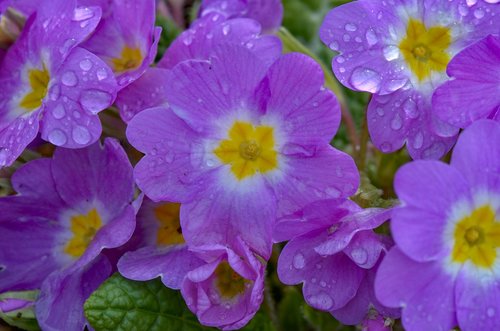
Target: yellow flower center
477 237
84 228
131 58
228 282
249 149
39 82
169 232
425 50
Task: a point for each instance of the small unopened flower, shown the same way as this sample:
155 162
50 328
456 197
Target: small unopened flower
228 289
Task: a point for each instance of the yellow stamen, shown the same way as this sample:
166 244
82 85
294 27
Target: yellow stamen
477 237
249 149
39 82
425 50
228 282
131 58
84 228
169 232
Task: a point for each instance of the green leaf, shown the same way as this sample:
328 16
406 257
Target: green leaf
260 322
169 32
290 310
323 321
21 318
122 304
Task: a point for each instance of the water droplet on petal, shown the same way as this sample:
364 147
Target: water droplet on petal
380 111
94 100
418 141
371 37
86 64
101 74
490 312
391 53
334 45
57 137
471 2
396 122
365 79
359 256
386 147
69 78
55 92
82 13
80 135
321 301
410 108
350 27
58 112
299 261
479 13
3 156
226 29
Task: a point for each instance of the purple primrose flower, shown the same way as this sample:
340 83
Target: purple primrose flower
51 85
241 144
127 44
444 269
399 50
67 210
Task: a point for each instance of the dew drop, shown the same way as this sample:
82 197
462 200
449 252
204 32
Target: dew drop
410 108
365 80
380 111
321 301
371 37
391 53
299 261
58 112
334 45
350 27
69 78
471 3
490 312
80 135
101 74
94 100
386 147
226 29
322 283
479 13
86 64
359 256
187 39
57 137
55 92
3 156
418 141
396 122
67 45
82 13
